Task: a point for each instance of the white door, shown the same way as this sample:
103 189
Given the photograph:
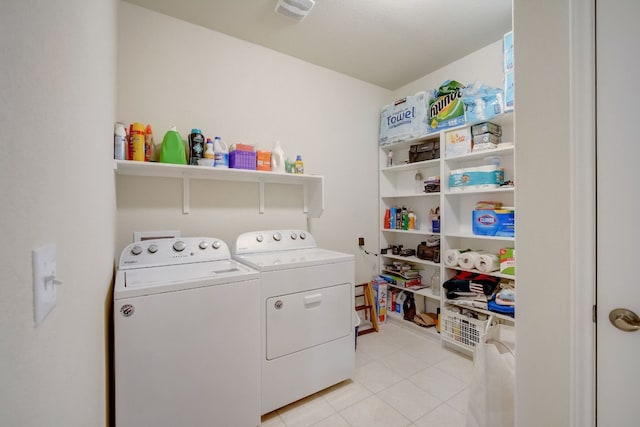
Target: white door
618 208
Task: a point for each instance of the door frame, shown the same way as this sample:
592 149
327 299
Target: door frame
582 140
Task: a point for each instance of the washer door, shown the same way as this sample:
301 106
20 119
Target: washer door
303 320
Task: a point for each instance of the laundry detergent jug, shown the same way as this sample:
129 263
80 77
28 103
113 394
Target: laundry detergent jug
221 153
173 150
277 158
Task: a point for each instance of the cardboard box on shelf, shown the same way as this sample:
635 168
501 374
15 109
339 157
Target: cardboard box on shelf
380 290
458 142
508 261
494 222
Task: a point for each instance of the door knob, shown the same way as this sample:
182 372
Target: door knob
625 320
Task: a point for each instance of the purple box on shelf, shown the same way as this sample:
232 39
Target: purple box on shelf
239 159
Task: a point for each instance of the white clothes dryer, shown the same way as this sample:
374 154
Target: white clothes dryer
186 336
307 304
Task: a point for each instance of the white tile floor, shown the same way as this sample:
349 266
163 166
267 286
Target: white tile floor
403 378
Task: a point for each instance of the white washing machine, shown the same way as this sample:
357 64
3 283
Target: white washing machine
307 303
186 336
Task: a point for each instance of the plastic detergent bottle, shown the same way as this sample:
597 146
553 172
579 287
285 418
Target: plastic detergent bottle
196 146
148 144
298 166
221 152
277 158
173 148
208 153
119 141
412 220
137 141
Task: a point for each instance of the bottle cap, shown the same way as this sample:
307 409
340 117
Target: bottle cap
298 157
196 130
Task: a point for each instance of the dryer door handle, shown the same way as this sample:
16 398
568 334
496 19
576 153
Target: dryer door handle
314 299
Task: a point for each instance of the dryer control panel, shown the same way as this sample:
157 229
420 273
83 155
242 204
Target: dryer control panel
273 240
183 250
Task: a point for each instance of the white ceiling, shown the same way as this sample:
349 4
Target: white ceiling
388 43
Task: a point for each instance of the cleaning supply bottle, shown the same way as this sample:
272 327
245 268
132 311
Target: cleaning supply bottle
208 153
148 144
137 141
196 146
221 153
173 148
387 219
412 220
405 218
298 166
277 158
129 153
119 142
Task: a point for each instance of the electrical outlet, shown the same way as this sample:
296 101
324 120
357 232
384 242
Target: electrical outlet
360 241
44 281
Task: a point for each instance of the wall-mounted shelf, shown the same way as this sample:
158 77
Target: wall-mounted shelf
415 231
480 237
413 259
407 195
313 184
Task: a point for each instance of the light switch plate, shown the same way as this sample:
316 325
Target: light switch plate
44 282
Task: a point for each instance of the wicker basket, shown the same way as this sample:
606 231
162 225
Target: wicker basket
462 330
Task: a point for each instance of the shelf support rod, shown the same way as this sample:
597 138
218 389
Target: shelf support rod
261 189
186 194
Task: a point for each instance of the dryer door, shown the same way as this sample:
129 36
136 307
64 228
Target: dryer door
303 320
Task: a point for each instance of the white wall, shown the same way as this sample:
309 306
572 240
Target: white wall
173 72
57 100
483 65
543 200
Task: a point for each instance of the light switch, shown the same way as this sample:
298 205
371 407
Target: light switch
44 281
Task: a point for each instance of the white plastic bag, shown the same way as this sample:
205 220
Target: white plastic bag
491 393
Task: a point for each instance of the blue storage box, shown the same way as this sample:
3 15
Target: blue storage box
494 222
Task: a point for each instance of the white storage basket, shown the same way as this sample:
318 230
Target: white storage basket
462 330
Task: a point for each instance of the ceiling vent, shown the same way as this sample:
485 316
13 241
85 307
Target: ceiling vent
295 9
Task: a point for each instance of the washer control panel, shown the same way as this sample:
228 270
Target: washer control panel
273 240
183 250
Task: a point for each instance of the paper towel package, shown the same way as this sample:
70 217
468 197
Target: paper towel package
475 178
493 222
405 119
507 51
508 261
446 107
509 100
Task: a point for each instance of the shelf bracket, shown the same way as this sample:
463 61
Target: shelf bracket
186 194
261 208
